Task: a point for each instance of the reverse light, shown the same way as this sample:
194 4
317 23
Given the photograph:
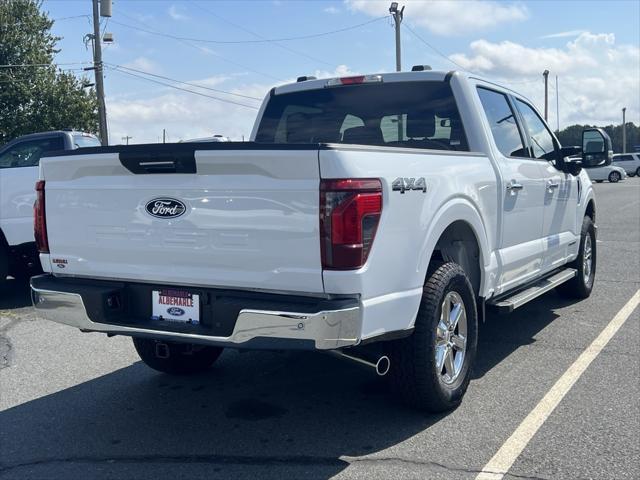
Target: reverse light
350 211
39 219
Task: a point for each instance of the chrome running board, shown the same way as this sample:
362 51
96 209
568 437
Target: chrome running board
512 301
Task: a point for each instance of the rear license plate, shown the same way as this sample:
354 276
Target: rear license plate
175 306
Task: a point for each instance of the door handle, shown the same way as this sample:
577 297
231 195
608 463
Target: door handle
551 184
514 186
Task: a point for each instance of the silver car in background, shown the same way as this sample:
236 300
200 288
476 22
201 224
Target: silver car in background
629 162
610 173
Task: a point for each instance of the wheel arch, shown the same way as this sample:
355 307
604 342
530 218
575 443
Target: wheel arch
458 234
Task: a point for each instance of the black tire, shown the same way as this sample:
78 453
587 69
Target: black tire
414 376
614 177
579 287
638 172
181 359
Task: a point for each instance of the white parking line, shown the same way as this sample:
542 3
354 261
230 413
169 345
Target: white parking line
502 461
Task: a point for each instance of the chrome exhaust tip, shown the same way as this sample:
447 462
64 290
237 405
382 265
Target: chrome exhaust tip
383 365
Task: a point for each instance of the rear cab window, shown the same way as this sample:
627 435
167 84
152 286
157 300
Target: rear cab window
420 114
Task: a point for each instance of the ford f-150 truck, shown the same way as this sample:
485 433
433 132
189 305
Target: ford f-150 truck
369 215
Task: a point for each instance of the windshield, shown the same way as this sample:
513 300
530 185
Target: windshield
81 141
398 114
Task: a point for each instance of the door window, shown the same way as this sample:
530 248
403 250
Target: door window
28 153
541 139
503 123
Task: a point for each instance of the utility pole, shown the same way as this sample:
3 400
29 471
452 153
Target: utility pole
126 138
397 20
164 135
545 74
624 130
557 105
105 10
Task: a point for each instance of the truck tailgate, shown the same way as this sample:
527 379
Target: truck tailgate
247 218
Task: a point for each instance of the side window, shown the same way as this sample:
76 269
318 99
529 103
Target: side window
27 154
503 123
541 138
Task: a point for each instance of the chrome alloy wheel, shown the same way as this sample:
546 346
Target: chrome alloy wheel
587 259
451 338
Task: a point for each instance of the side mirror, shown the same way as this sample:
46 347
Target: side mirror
597 149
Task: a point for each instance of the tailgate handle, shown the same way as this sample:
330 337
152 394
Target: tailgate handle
159 162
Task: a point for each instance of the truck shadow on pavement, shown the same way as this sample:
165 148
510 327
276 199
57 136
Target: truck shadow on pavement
14 294
256 414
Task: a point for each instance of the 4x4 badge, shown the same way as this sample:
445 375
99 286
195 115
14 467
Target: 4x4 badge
401 184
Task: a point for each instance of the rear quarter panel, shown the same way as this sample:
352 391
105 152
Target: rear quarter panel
460 186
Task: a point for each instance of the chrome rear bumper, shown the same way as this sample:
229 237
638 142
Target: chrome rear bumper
324 330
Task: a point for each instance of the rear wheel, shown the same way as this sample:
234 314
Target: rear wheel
614 177
176 358
431 369
582 284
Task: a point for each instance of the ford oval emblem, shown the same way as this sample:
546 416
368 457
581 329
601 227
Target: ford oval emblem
165 207
175 311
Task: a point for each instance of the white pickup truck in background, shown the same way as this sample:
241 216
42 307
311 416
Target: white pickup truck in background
372 216
19 160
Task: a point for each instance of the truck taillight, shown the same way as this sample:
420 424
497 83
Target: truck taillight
39 220
350 210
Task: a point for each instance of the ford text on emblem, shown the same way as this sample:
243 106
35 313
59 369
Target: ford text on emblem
175 311
165 207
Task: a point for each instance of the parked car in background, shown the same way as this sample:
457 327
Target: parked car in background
19 160
629 162
610 173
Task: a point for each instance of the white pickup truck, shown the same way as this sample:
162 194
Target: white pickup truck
372 216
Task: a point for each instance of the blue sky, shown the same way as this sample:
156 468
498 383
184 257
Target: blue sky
592 46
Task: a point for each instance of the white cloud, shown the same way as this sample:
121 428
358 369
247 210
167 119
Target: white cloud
332 10
145 64
450 17
176 13
569 33
597 76
186 115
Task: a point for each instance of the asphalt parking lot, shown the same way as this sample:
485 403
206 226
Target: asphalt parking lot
76 405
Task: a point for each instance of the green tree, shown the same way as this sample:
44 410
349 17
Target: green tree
37 98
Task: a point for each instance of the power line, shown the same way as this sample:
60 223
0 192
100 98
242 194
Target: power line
233 42
43 64
435 49
198 47
261 37
69 18
183 89
183 82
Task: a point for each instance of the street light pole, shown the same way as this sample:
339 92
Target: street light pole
624 130
97 65
397 18
545 74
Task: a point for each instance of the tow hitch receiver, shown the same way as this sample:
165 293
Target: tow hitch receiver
162 350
